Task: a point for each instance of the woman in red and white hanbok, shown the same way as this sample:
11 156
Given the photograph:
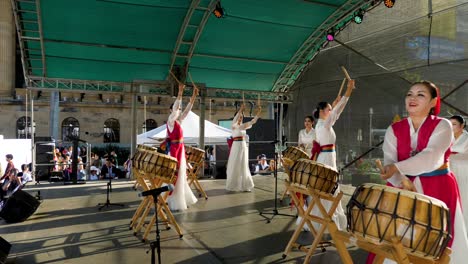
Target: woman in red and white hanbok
416 152
182 196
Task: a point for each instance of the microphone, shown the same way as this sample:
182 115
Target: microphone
157 191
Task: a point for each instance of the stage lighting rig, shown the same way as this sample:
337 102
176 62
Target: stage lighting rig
389 3
330 35
219 10
359 16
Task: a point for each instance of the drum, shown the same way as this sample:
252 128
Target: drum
292 154
194 155
378 213
161 165
310 174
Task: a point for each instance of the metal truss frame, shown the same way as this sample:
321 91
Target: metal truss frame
147 87
314 42
29 36
183 36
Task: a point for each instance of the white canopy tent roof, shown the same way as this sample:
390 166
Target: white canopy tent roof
214 134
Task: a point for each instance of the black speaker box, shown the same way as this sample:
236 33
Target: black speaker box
19 207
4 250
222 154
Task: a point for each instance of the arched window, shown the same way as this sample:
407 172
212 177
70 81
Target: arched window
150 124
23 127
70 129
112 131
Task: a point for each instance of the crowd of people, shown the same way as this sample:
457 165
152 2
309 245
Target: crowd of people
13 179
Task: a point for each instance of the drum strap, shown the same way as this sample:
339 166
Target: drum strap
238 138
442 170
177 141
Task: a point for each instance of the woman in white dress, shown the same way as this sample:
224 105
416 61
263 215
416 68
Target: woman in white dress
307 135
325 137
182 196
238 177
459 161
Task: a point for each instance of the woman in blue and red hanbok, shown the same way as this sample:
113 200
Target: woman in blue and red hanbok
182 196
416 152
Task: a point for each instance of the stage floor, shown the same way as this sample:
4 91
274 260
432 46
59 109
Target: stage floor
226 228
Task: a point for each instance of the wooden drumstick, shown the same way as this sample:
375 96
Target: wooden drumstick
191 80
342 85
177 80
345 73
258 100
380 166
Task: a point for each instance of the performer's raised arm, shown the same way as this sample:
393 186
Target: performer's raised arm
249 124
189 106
339 104
175 108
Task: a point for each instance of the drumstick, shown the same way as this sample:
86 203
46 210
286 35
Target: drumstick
342 85
177 80
258 100
380 166
191 80
345 73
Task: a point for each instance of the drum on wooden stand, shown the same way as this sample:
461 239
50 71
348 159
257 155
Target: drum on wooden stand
292 154
310 174
379 213
195 158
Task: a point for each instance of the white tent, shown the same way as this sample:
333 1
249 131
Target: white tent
191 127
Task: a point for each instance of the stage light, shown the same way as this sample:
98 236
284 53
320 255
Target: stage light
359 16
330 35
218 11
389 3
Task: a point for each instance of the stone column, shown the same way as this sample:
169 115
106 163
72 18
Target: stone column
7 49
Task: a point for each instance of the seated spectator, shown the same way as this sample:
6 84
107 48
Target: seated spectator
262 166
10 185
93 174
26 174
108 170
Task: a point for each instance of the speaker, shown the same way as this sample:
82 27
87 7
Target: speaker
4 250
19 207
222 154
263 130
44 156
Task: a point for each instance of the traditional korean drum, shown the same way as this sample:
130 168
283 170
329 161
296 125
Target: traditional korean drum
160 165
292 154
194 155
310 174
378 213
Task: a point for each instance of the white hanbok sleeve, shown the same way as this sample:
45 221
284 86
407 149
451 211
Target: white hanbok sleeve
391 155
432 157
300 139
461 148
249 124
336 112
188 108
174 115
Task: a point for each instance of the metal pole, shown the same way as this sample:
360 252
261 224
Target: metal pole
144 114
201 138
134 121
280 134
33 147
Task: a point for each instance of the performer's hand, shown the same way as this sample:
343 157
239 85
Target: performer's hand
407 184
259 111
181 90
350 87
389 170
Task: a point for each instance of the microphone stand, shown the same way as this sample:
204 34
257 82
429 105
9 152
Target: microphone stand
156 244
109 189
275 210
